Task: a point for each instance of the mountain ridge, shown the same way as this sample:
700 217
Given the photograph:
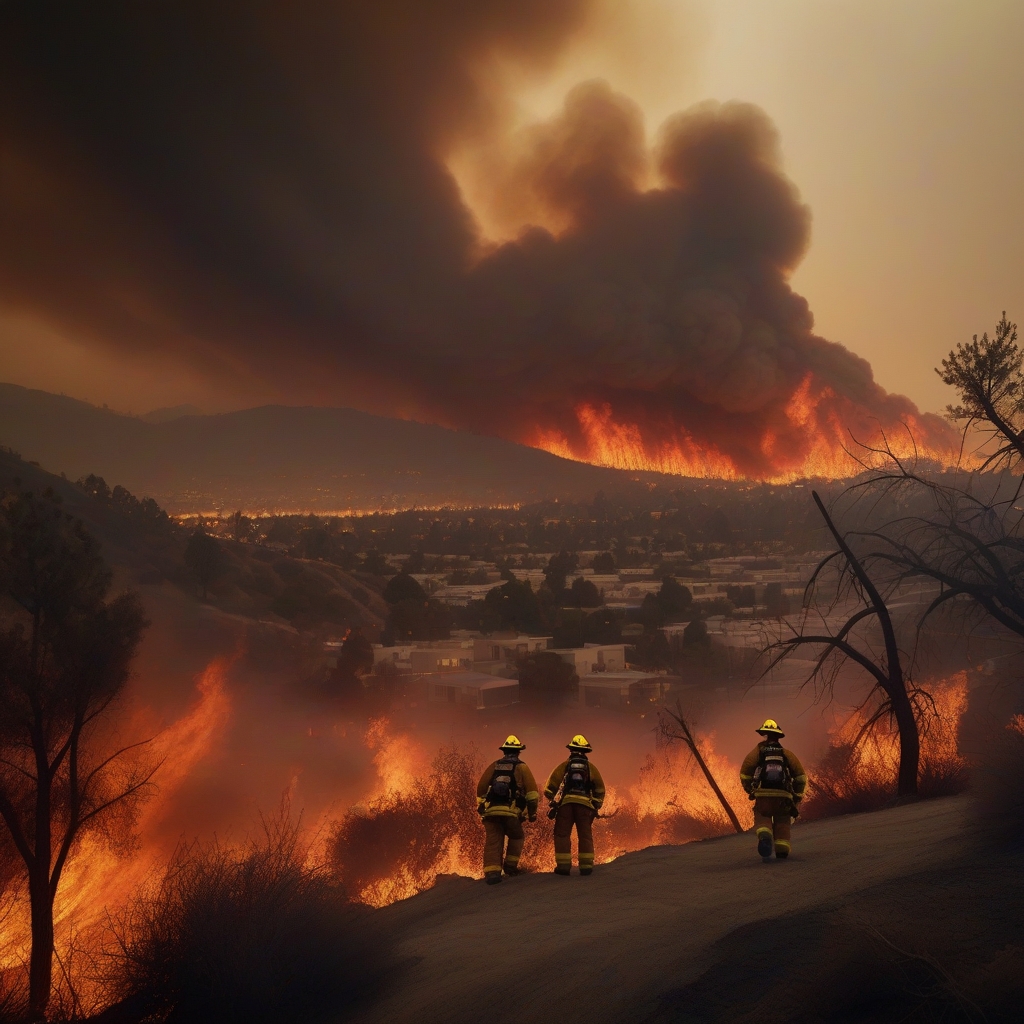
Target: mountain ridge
278 458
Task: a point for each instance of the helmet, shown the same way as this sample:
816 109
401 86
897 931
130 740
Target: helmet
513 743
771 726
579 742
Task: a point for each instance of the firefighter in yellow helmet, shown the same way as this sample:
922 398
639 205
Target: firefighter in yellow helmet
576 792
775 780
506 793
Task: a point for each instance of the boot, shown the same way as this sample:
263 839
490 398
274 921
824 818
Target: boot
765 845
563 870
492 879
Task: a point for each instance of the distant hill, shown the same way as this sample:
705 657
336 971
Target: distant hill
282 458
171 412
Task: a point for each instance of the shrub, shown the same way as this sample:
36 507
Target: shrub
246 936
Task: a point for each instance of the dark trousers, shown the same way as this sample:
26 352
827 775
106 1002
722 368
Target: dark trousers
583 818
496 828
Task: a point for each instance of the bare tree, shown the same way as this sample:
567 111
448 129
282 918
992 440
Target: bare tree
897 698
205 557
674 726
65 656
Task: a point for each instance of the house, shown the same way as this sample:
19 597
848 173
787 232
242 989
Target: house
624 690
472 689
508 648
441 656
591 658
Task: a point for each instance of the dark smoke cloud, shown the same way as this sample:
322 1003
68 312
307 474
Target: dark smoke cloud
261 189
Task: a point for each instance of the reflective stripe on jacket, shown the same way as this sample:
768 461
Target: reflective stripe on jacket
596 797
526 791
796 771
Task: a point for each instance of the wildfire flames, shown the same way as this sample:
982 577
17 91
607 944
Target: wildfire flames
817 433
421 820
859 770
418 820
102 875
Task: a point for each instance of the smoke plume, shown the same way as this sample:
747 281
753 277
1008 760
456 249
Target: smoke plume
263 193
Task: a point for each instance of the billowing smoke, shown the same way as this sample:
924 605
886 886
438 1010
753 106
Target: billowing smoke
262 191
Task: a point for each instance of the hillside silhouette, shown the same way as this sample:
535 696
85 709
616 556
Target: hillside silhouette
282 458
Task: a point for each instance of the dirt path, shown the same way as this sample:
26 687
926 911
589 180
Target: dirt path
543 948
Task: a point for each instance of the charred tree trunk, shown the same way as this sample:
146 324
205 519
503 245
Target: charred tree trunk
687 738
40 973
890 679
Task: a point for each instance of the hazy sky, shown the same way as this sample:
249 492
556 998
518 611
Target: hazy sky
900 124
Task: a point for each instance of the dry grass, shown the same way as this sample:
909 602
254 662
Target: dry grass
250 937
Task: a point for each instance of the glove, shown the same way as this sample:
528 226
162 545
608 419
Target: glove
481 810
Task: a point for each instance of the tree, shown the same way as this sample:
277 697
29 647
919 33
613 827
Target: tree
205 557
416 562
65 656
402 587
717 528
242 526
544 678
988 380
375 562
559 566
515 605
674 599
585 594
696 633
604 563
898 699
355 658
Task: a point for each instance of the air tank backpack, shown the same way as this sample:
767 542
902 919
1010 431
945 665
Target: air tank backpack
773 771
502 789
577 777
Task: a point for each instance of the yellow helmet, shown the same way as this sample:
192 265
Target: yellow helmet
513 743
771 726
579 742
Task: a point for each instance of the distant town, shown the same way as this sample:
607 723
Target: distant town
598 604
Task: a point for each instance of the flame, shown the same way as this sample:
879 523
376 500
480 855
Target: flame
812 437
396 759
421 821
859 775
98 877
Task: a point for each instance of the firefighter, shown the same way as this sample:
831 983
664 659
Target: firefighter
774 779
576 792
506 793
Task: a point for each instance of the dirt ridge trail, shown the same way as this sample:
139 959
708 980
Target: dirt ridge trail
541 947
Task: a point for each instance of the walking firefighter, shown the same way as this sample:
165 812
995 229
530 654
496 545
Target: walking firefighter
576 792
774 779
507 792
